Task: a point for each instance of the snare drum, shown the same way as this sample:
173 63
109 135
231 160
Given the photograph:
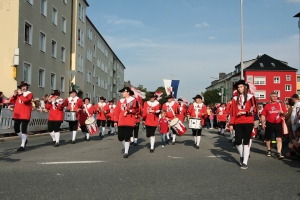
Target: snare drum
195 123
70 116
178 126
91 126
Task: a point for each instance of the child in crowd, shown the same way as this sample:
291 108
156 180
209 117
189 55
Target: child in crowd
294 146
164 125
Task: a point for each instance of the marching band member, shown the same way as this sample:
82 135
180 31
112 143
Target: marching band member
136 129
172 108
102 108
182 109
110 116
150 118
87 111
124 118
222 118
197 110
73 104
243 108
22 111
55 105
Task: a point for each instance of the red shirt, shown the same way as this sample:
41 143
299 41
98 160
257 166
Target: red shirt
168 107
56 110
163 125
22 108
129 105
222 114
84 114
198 111
151 119
250 108
271 112
73 104
182 109
110 112
102 110
138 115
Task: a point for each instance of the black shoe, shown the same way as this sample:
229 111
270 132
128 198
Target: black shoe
197 147
173 143
26 143
167 142
56 145
102 136
73 142
85 138
125 155
135 144
230 141
131 143
53 143
108 133
151 150
21 149
241 161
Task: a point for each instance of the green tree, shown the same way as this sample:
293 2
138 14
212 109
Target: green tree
162 89
211 97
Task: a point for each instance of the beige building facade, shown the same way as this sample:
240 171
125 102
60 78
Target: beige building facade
51 44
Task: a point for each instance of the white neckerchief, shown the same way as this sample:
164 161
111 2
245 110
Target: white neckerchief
57 101
87 107
26 93
196 108
242 107
73 101
153 104
101 105
170 104
128 100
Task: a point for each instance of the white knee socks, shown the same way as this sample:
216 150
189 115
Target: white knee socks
198 140
174 138
131 139
246 153
135 140
20 135
223 130
103 130
126 147
168 135
152 141
74 135
240 150
87 136
52 135
57 135
195 139
24 137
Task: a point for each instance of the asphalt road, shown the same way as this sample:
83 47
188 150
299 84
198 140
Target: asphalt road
176 172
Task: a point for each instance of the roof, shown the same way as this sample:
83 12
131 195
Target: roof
266 62
298 15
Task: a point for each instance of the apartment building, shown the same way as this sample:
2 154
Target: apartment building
53 45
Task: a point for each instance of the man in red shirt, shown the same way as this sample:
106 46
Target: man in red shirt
271 119
22 111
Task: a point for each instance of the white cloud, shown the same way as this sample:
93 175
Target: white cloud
203 24
115 20
211 37
293 1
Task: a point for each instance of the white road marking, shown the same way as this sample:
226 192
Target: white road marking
174 157
70 162
217 156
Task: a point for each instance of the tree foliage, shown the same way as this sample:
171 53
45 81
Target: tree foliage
161 89
211 97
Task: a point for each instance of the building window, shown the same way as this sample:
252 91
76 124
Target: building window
259 80
44 7
79 11
80 37
63 24
90 33
54 16
62 83
94 71
298 79
42 42
88 77
30 2
53 81
79 63
288 77
27 72
41 77
278 92
98 81
298 92
94 51
288 88
53 49
276 79
28 33
63 54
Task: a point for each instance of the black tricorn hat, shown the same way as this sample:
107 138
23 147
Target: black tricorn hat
86 98
23 83
198 96
73 90
169 96
112 100
56 93
102 98
152 95
241 82
180 99
127 89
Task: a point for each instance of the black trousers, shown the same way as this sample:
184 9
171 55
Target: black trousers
124 133
73 126
101 123
54 126
197 132
110 123
150 131
243 133
136 130
22 123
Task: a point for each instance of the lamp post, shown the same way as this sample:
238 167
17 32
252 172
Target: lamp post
242 41
298 15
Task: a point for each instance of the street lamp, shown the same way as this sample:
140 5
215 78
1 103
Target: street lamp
298 15
242 41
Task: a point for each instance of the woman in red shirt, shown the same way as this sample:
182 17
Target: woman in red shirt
55 105
102 110
88 110
243 109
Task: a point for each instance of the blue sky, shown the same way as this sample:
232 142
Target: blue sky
194 39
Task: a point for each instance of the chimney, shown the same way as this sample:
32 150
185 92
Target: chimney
222 75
